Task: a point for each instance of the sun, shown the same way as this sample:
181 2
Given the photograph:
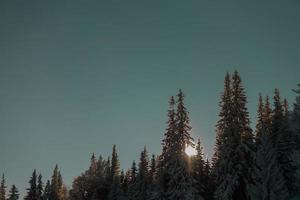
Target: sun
190 151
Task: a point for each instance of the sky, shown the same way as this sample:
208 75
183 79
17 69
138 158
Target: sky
77 77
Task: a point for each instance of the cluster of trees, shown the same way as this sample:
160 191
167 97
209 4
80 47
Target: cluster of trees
262 164
53 190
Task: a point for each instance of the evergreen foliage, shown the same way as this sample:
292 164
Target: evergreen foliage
2 188
13 193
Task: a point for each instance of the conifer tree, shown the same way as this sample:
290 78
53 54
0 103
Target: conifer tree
180 185
56 185
270 181
40 187
260 118
152 170
198 169
208 182
295 127
235 150
283 142
115 164
295 118
93 165
114 179
125 183
142 184
163 168
277 118
132 193
47 191
13 193
32 191
2 188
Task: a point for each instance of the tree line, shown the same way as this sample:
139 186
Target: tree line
247 164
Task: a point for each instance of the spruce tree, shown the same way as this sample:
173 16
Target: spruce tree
180 185
142 180
114 179
295 118
40 187
269 178
283 141
13 193
198 169
2 188
208 181
235 150
260 118
295 127
132 192
163 168
32 191
56 185
115 164
47 191
93 165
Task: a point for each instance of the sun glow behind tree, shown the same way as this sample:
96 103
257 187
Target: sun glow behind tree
190 150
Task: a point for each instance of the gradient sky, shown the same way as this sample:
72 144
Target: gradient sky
77 77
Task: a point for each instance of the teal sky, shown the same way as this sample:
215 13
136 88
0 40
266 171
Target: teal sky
77 77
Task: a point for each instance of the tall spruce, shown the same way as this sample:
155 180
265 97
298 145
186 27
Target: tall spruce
235 150
56 185
295 117
163 166
47 191
40 188
114 179
260 118
198 169
32 191
115 164
13 193
132 191
180 185
270 182
2 188
295 127
282 138
143 177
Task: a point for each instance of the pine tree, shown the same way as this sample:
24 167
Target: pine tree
295 117
180 185
295 127
260 118
208 182
13 193
153 178
2 188
93 165
132 192
270 182
56 186
40 187
114 179
32 191
198 169
277 118
163 167
142 181
115 164
235 150
47 191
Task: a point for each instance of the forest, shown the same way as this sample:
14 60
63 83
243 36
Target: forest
247 164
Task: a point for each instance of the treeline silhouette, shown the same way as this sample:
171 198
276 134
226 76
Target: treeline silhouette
247 164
